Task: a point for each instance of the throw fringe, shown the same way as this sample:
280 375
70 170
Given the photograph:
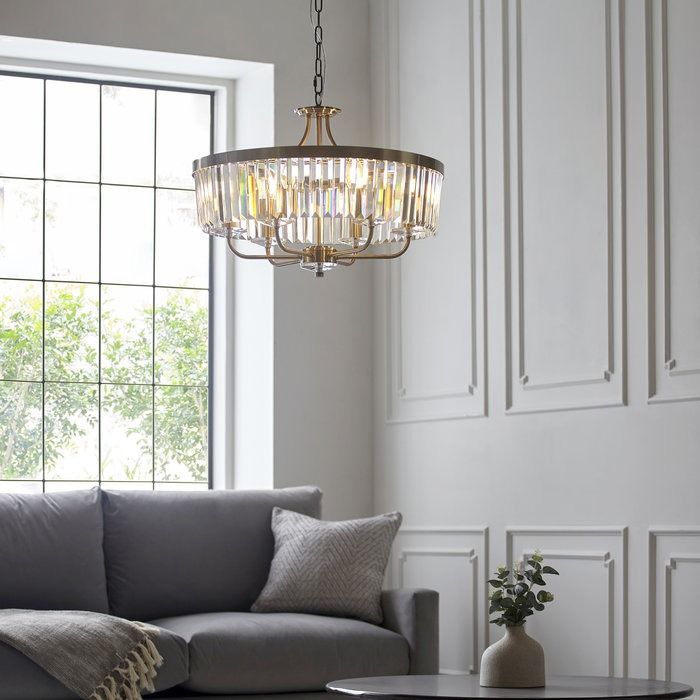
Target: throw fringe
133 675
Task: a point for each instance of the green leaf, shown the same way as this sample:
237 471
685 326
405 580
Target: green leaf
539 606
507 602
495 583
550 570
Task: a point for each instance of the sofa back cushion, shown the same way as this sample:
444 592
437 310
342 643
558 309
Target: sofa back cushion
178 553
51 551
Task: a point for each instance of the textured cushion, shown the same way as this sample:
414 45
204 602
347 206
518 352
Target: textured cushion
175 553
22 679
51 551
329 568
284 652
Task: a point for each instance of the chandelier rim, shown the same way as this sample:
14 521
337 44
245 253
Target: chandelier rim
325 151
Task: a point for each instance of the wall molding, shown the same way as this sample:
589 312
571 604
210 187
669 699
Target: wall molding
607 387
616 599
477 558
471 556
669 563
608 563
667 379
467 399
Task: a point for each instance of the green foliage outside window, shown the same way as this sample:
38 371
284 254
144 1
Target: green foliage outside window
71 355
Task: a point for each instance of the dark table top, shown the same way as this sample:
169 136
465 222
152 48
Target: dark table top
449 687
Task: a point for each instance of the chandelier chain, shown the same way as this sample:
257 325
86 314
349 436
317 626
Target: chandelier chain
320 61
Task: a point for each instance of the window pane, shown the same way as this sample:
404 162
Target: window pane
20 330
22 112
181 352
181 433
21 220
71 412
128 139
72 130
54 486
127 235
20 486
20 430
72 231
127 334
180 486
178 145
126 423
182 250
128 485
71 321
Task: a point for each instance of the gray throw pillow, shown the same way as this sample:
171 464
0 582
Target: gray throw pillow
328 568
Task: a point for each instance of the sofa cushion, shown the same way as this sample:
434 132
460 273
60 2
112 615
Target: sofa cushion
175 553
328 568
176 660
22 679
51 551
277 652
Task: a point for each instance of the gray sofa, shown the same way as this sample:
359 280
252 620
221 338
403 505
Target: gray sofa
192 564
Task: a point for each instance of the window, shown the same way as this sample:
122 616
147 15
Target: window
104 286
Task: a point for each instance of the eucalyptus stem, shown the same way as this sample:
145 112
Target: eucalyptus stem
512 595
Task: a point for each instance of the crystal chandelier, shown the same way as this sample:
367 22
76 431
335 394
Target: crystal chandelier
319 205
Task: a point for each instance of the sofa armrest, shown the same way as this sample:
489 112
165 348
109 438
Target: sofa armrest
413 613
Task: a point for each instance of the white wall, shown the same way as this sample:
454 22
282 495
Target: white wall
322 328
537 362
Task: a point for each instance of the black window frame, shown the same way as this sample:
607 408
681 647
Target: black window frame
166 87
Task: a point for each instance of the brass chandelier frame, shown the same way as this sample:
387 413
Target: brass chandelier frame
318 251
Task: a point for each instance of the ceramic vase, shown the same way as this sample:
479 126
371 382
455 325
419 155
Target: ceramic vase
515 661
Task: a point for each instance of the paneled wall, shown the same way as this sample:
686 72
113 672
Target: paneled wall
538 363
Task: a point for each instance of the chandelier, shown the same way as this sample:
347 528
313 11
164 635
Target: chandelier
318 204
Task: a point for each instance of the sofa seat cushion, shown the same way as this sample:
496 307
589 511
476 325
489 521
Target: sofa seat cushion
178 553
283 652
22 679
176 659
51 551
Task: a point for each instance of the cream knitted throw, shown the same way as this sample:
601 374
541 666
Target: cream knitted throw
98 657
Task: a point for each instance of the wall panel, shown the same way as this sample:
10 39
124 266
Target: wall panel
673 91
435 293
455 563
585 632
564 254
674 621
